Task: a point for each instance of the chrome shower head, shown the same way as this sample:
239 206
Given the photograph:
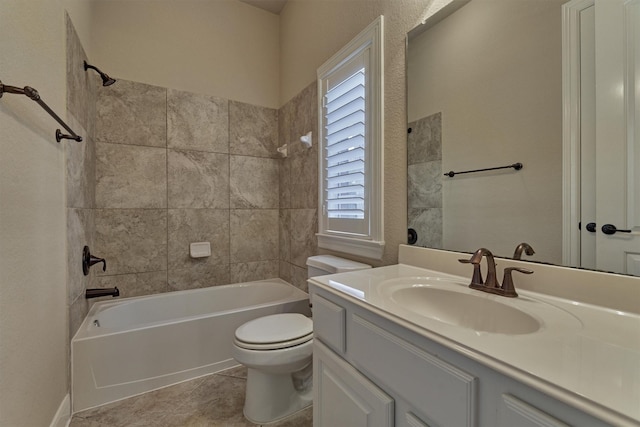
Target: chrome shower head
106 80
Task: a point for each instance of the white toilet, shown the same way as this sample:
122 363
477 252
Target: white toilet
277 351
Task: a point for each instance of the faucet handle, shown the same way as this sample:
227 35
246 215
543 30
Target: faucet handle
477 279
89 260
508 289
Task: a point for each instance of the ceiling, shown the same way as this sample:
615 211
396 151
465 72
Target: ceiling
273 6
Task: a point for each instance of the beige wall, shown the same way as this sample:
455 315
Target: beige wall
493 69
311 31
80 12
222 47
33 317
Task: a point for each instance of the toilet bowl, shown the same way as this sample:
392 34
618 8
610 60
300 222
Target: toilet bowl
277 351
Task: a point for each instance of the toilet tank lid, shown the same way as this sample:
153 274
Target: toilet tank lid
334 264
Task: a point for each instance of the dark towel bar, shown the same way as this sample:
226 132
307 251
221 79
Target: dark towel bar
34 95
516 166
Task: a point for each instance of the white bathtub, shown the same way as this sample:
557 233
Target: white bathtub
134 345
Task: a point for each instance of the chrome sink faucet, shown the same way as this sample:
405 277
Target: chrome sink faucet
491 285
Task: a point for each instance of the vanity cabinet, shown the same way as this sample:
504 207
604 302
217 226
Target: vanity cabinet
374 370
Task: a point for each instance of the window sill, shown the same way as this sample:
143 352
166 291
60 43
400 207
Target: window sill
365 248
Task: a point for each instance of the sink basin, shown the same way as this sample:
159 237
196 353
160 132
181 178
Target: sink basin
480 312
449 301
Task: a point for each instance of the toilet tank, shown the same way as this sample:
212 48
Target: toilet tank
320 265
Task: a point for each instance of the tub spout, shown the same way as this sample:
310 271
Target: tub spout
102 292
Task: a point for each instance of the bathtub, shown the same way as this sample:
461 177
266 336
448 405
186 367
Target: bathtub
135 345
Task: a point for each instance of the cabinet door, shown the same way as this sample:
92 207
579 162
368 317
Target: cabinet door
515 412
344 397
441 393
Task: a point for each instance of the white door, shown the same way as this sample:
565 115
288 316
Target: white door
617 136
588 138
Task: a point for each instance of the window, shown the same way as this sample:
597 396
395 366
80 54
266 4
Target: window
350 93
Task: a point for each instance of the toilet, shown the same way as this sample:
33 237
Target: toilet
277 351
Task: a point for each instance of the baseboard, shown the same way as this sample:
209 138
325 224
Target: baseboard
63 415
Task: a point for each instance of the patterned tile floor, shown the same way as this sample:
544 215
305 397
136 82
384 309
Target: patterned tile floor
211 401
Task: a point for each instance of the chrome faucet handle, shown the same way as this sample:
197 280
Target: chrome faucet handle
507 288
476 280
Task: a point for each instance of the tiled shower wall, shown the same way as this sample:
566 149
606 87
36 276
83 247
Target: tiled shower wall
173 168
424 180
80 174
161 168
298 186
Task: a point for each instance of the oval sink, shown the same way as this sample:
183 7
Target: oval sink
479 312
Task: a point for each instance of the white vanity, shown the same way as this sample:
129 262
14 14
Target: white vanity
404 345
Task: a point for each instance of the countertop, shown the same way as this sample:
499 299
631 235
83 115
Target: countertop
584 355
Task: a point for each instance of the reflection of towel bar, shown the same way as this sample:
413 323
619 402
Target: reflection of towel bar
33 94
516 166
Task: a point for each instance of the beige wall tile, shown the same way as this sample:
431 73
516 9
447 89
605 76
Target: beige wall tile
198 275
304 224
303 117
197 122
285 271
80 232
187 226
256 270
254 182
284 137
254 235
130 176
285 183
134 285
253 130
424 142
132 113
131 240
299 277
80 160
285 234
198 180
304 179
424 185
303 168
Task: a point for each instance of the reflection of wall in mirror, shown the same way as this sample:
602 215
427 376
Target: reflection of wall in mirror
499 94
424 180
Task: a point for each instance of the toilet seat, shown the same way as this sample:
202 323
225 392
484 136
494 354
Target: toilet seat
274 332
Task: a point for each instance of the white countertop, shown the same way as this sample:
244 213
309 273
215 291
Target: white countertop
584 355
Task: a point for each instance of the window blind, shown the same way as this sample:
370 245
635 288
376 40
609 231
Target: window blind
345 148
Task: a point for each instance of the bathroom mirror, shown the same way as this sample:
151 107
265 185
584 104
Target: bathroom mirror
485 90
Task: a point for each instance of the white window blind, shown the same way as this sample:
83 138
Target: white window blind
345 148
350 165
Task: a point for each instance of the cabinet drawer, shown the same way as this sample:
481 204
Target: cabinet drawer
329 321
440 392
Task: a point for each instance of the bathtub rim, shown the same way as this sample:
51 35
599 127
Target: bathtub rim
85 331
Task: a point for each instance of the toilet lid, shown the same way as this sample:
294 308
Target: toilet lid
276 328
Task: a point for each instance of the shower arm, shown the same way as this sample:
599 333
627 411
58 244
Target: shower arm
35 96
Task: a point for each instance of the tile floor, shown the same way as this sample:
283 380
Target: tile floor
211 401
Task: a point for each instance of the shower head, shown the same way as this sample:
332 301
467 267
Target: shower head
106 80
